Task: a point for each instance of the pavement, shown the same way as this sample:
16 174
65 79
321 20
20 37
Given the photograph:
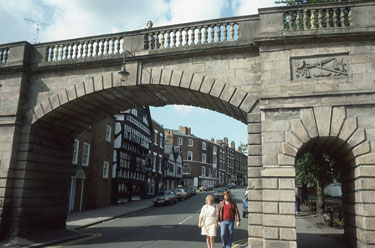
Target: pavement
310 229
75 222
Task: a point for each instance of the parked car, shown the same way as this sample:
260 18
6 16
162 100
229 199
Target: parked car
231 185
188 191
181 194
165 197
202 188
193 191
219 193
245 204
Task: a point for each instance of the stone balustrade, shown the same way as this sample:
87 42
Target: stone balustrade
192 35
288 21
84 48
4 54
317 18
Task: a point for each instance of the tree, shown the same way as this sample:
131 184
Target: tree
243 148
318 170
299 2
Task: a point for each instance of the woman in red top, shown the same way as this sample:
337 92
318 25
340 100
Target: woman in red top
227 214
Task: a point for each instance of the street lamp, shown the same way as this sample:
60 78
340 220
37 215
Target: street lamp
124 73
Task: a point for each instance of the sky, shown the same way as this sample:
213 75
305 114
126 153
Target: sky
66 19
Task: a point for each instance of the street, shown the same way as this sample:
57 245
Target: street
156 227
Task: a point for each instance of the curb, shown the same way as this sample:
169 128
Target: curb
110 218
81 235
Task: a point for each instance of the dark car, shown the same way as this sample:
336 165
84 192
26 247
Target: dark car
193 191
165 197
188 191
219 193
245 204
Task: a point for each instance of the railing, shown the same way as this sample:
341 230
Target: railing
317 18
4 55
85 48
196 34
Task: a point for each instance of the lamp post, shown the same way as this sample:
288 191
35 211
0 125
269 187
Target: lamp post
124 73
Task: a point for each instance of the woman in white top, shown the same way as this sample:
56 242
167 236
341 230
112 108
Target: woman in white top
207 221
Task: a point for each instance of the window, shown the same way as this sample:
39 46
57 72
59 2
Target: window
160 162
179 141
204 146
156 137
86 154
154 162
105 169
190 155
186 169
161 140
75 151
214 160
203 171
108 133
204 157
214 150
190 142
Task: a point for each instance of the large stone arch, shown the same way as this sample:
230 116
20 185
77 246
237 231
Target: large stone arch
328 129
149 88
38 190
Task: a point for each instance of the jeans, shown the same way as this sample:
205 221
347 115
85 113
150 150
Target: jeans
226 231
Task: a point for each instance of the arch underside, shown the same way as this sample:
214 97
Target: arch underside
90 101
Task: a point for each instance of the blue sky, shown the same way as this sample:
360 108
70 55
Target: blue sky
78 18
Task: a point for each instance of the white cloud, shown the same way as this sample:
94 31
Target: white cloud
73 19
195 10
250 7
185 110
12 20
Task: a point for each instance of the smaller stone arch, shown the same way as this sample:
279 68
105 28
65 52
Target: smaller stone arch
329 129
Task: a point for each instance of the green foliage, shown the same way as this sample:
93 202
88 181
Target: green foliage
315 169
299 2
243 148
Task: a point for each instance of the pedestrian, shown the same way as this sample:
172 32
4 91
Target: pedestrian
149 24
207 221
149 37
227 215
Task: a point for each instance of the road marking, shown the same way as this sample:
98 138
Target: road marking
185 220
239 242
92 236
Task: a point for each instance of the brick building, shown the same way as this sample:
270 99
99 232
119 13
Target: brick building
92 159
207 162
155 179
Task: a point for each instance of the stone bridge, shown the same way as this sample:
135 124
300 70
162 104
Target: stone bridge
301 78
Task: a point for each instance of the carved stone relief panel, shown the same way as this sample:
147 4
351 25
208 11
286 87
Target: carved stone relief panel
319 66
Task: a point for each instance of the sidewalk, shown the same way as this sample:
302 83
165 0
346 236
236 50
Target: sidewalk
76 221
312 233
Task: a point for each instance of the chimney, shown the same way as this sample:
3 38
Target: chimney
183 130
188 130
233 145
226 140
219 142
212 140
